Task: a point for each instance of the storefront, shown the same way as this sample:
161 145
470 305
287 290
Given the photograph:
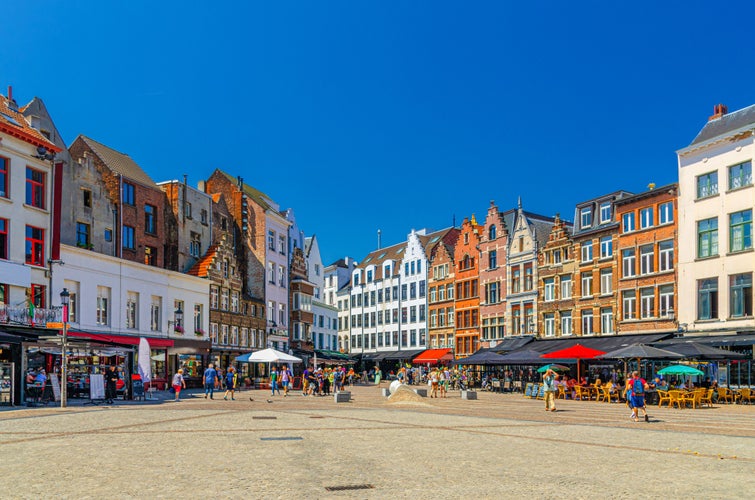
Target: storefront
192 356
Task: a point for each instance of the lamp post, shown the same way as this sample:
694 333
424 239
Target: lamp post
64 300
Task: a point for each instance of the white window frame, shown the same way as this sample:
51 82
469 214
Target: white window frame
549 289
586 249
586 281
647 259
567 327
606 247
588 326
605 212
629 304
606 281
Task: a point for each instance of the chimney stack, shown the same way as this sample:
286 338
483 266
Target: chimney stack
719 110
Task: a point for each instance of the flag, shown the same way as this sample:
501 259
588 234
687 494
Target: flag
145 362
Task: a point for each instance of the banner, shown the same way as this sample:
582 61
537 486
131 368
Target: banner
145 361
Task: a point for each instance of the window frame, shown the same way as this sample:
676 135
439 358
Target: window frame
706 185
745 177
746 228
36 189
707 235
35 246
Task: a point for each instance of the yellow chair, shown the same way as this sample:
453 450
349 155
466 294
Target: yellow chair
561 394
676 398
664 397
746 395
725 395
706 397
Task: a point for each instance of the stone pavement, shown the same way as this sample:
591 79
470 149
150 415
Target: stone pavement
500 446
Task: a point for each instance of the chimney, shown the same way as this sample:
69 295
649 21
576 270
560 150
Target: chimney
719 110
11 102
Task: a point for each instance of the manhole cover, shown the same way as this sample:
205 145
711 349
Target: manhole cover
285 438
350 487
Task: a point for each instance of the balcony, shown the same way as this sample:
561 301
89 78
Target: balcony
23 316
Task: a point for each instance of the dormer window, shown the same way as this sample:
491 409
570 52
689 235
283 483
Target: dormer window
585 217
605 212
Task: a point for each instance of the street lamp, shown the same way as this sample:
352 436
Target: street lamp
64 300
178 317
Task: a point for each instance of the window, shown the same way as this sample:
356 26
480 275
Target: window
566 323
197 318
587 284
707 185
82 235
646 217
491 293
35 246
224 299
214 333
629 304
103 305
707 238
203 216
132 310
740 295
271 272
214 297
195 245
740 231
35 188
412 290
666 213
128 238
4 177
606 247
606 320
528 279
587 252
493 259
150 256
4 238
605 212
566 287
628 263
666 255
150 225
108 235
647 259
587 322
86 195
129 197
557 256
422 288
627 222
647 303
585 217
516 280
606 281
549 324
707 298
666 301
155 313
282 244
740 175
187 210
549 289
271 240
492 232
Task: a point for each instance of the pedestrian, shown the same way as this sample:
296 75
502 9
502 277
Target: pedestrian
351 374
434 383
378 375
639 386
285 376
549 389
231 379
274 381
178 383
111 381
210 381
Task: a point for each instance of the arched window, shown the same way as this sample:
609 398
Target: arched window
491 233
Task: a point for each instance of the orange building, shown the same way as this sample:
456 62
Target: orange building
647 256
440 303
467 297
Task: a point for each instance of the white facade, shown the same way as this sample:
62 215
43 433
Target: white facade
336 294
413 294
116 296
716 259
325 323
276 278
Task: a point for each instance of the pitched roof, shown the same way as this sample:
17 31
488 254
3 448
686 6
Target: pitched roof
202 265
119 163
13 122
258 196
396 252
728 123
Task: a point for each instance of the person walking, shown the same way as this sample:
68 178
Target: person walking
549 389
111 381
231 379
639 386
434 383
286 377
274 381
378 375
178 383
210 381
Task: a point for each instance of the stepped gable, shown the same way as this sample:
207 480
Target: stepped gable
201 267
120 163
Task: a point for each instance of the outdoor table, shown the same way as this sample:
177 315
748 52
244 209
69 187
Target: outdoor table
651 397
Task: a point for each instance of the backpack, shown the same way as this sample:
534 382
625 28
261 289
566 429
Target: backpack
637 387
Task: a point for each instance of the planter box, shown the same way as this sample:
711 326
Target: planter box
468 395
421 392
342 397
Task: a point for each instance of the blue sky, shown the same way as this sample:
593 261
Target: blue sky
388 115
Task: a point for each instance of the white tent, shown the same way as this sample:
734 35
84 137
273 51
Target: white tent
268 356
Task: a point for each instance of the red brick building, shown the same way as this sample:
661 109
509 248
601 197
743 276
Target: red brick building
493 244
467 280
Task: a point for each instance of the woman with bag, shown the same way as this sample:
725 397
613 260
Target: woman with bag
178 383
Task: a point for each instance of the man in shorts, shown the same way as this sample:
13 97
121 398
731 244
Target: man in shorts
639 386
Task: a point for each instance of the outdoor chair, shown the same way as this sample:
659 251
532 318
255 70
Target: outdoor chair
603 395
578 393
561 394
725 395
706 397
664 397
746 395
676 398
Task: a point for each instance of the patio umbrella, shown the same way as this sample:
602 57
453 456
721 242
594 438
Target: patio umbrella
680 370
526 357
577 351
642 351
553 366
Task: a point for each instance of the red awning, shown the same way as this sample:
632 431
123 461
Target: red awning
433 356
120 339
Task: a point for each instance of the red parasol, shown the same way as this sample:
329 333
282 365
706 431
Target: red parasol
577 351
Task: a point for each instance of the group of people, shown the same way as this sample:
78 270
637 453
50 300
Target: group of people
318 382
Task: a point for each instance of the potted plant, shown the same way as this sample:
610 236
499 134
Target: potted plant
178 329
199 332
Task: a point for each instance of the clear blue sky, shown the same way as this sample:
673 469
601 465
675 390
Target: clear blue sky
388 115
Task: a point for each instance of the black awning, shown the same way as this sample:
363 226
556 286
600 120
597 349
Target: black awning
604 343
747 339
404 354
509 344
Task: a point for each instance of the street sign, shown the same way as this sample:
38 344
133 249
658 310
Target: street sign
59 326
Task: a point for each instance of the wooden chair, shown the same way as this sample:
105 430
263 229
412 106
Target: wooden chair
706 397
664 397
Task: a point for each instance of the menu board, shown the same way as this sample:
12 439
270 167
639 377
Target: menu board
96 386
55 387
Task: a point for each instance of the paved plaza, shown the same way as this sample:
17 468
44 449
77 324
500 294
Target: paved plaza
500 446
